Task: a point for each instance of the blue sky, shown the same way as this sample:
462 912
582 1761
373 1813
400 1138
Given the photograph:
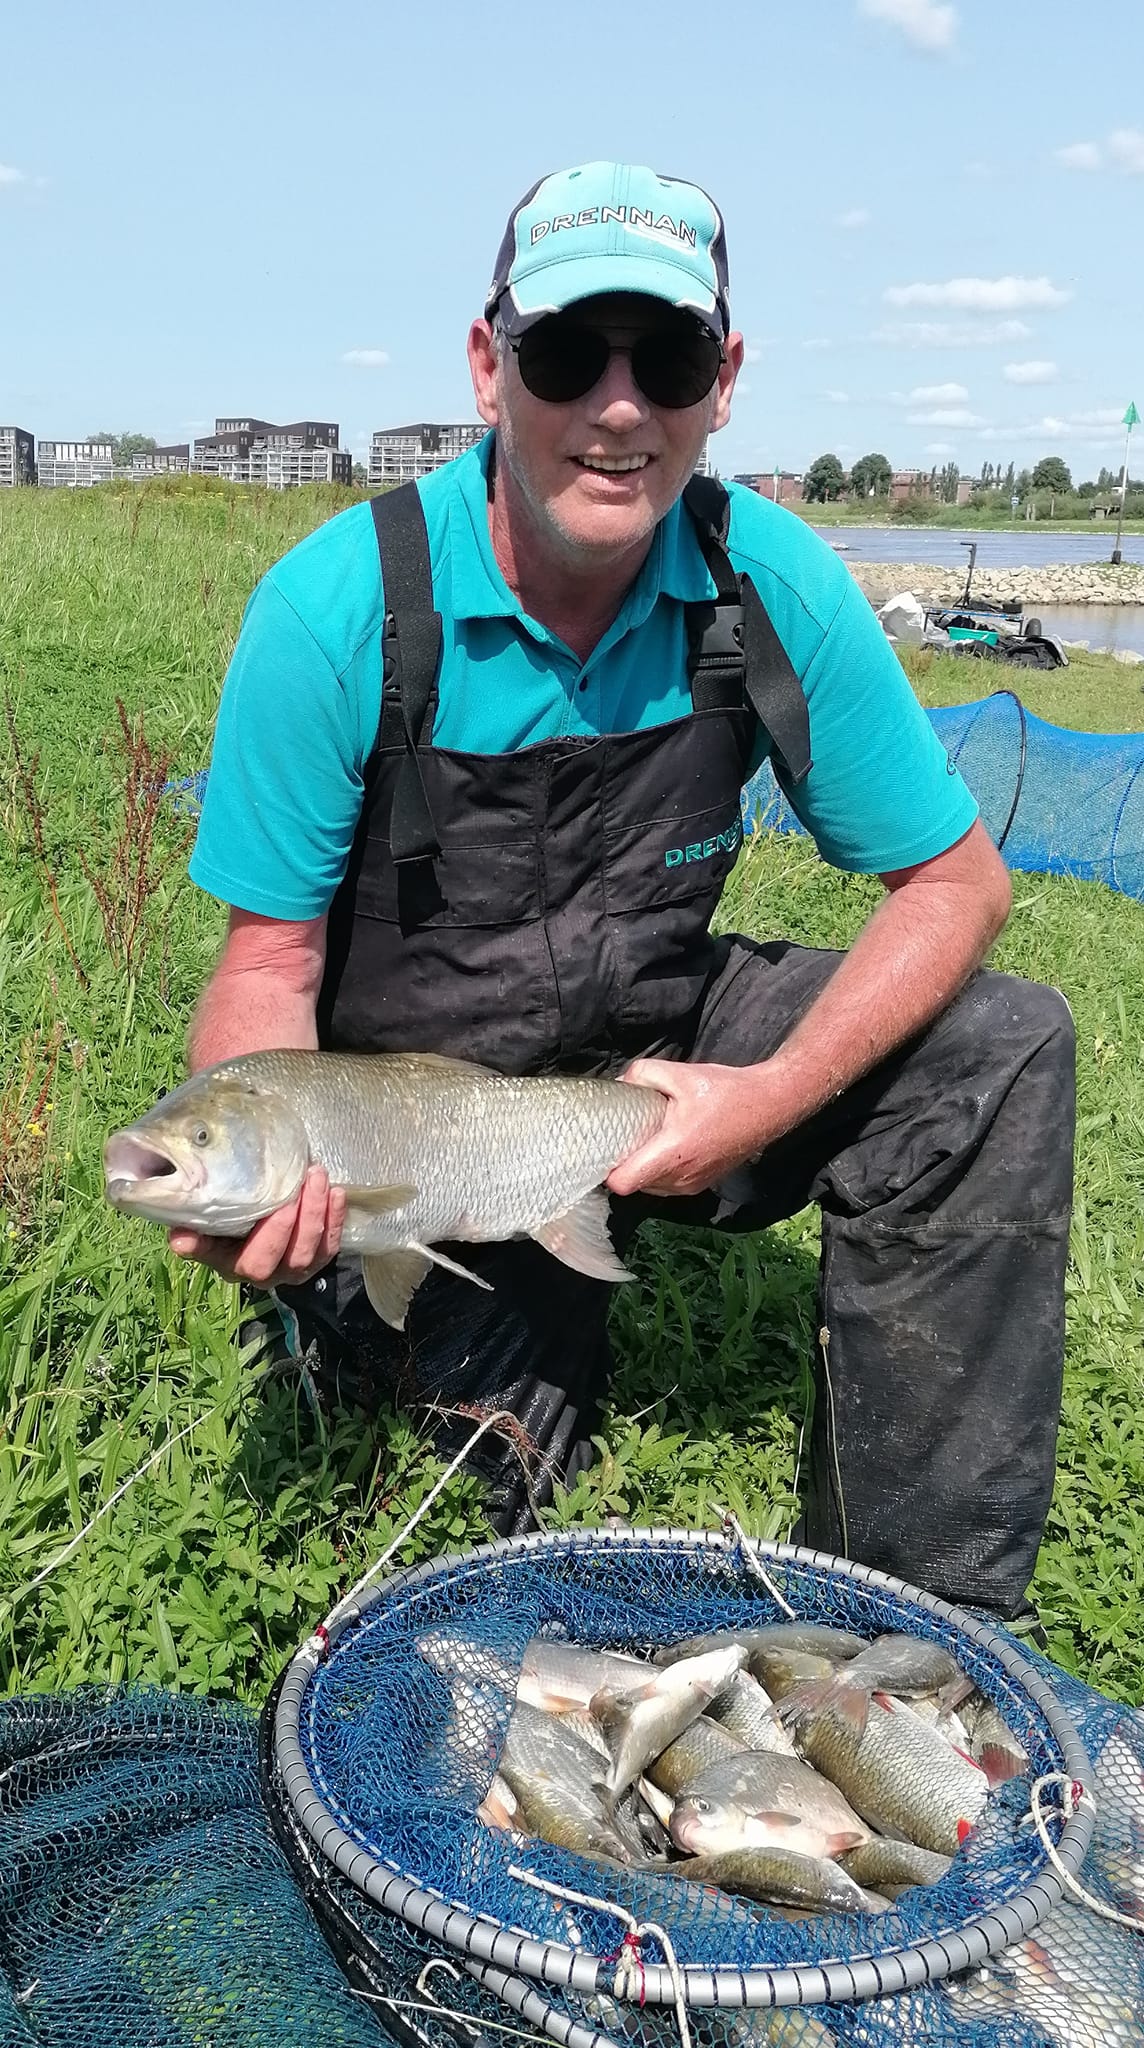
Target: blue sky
934 211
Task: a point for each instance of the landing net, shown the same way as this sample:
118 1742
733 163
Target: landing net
377 1764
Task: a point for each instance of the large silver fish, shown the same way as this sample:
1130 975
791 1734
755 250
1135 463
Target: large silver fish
427 1149
643 1719
897 1773
760 1800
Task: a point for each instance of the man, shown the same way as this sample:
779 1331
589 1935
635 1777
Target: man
510 851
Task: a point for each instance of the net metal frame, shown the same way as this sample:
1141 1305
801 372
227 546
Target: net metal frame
485 1941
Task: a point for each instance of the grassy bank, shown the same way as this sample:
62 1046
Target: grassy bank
876 512
242 1515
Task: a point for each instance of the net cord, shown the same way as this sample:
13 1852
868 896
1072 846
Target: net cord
341 1608
1073 1796
889 1972
630 1968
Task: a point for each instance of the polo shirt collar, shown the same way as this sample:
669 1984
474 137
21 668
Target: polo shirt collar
674 567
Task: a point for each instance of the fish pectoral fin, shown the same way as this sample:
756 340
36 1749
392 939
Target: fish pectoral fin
580 1239
391 1280
378 1201
426 1251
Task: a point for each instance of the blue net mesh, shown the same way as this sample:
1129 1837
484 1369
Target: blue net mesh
145 1899
1055 801
400 1756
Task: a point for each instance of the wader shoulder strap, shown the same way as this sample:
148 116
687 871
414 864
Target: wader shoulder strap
735 650
411 655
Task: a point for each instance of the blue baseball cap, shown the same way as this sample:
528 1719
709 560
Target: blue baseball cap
611 228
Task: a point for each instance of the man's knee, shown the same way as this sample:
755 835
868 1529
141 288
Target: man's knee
1008 1019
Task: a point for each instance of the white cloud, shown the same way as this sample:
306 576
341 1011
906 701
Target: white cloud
1079 156
9 175
950 333
979 294
837 397
752 350
1097 428
928 24
939 448
937 394
855 217
1101 416
1126 148
366 358
945 416
818 341
1030 373
1123 150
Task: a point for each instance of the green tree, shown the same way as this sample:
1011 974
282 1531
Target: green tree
947 483
1023 483
1052 474
824 481
870 477
1087 490
124 446
359 475
1009 482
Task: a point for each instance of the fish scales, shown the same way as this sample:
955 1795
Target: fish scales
429 1150
896 1773
490 1155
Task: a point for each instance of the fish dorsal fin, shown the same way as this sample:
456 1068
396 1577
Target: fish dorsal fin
391 1280
440 1062
376 1201
580 1239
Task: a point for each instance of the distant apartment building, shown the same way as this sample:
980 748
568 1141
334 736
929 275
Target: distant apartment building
17 457
174 460
398 455
74 465
910 483
782 486
250 451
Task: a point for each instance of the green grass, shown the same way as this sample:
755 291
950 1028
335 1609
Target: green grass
238 1533
969 518
1093 694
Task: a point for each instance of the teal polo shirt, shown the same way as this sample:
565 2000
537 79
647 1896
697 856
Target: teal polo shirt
300 705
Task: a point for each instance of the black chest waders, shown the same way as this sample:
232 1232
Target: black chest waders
550 909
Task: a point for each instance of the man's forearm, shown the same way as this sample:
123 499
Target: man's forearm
264 991
248 1012
906 966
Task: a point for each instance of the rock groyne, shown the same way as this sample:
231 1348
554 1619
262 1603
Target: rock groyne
1065 583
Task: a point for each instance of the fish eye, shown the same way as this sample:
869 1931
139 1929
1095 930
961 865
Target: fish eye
701 1805
200 1135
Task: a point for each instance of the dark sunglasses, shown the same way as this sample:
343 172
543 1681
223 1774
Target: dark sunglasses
673 366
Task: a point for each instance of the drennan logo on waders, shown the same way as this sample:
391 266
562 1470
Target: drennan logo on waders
705 849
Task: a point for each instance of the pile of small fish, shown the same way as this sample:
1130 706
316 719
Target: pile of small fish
794 1765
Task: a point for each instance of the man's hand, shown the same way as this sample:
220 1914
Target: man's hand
716 1118
288 1246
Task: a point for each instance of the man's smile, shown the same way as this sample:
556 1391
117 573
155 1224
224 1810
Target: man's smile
612 465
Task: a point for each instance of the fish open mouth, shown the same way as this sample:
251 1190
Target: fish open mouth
130 1165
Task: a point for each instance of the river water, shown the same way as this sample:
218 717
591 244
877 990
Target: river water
1107 627
1032 544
